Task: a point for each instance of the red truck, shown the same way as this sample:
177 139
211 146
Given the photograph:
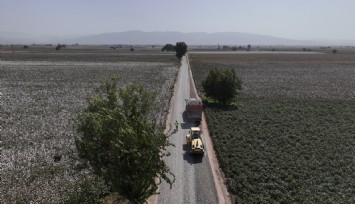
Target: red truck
194 109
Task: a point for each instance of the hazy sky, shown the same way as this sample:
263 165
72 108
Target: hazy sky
295 19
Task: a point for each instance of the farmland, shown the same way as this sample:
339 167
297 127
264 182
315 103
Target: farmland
290 136
41 93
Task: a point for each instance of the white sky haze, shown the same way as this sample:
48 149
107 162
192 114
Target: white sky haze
293 19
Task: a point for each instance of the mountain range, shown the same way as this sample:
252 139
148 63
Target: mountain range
161 38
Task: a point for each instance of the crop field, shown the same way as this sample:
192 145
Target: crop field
41 94
290 137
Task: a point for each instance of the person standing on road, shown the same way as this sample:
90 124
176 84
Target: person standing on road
176 125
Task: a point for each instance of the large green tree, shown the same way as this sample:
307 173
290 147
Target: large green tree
221 85
181 49
122 142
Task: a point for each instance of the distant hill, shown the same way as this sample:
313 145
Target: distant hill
15 38
200 38
161 38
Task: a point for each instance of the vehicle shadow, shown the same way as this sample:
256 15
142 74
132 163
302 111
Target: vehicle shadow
184 147
192 158
186 124
184 116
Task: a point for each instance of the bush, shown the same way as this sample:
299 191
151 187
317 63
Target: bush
221 85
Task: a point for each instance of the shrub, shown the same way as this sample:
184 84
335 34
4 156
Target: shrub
221 85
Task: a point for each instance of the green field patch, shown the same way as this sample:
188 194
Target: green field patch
283 150
289 137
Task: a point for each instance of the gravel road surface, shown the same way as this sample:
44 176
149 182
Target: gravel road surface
194 180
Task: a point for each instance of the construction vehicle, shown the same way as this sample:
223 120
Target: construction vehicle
194 141
194 109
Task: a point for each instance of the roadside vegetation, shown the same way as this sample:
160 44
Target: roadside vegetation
122 143
221 85
290 136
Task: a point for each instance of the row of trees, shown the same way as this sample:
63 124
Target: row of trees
180 48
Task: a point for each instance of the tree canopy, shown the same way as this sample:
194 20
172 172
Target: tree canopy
181 49
121 142
168 48
221 85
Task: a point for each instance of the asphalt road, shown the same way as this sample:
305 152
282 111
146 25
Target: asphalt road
194 181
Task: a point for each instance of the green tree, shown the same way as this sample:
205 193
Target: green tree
221 85
168 48
181 49
120 141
